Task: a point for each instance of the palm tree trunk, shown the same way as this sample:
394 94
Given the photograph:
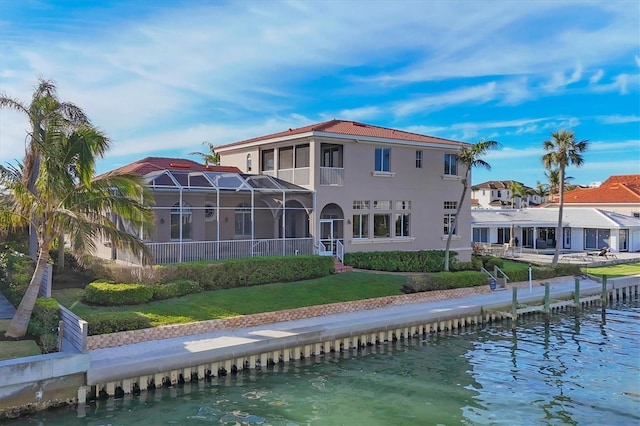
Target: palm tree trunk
20 321
452 226
556 253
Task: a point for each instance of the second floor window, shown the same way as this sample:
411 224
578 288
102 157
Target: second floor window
383 157
450 164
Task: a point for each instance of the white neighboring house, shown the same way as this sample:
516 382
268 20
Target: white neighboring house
495 194
583 228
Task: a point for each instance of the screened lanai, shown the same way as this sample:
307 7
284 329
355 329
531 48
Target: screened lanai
205 215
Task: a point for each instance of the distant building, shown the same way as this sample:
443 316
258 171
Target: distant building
619 193
495 194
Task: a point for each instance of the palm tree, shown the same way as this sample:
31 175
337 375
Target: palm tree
211 157
469 157
553 176
516 190
44 110
60 196
562 150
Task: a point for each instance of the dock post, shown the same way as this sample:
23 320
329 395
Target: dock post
514 307
604 292
576 295
546 298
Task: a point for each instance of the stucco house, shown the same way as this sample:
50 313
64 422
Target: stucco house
619 193
375 188
495 194
582 228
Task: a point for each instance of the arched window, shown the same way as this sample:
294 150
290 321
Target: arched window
176 214
243 220
248 162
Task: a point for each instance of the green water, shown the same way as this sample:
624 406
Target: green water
569 370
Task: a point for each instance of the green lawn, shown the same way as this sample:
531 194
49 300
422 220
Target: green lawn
342 287
619 270
10 349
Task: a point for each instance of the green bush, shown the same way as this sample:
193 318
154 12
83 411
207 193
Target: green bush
111 322
444 281
174 289
543 272
476 263
44 324
493 261
109 294
16 270
400 261
251 271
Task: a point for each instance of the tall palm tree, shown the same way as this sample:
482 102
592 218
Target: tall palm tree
44 110
562 150
553 176
211 157
66 199
516 190
469 157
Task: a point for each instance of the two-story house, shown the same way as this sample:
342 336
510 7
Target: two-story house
375 188
497 194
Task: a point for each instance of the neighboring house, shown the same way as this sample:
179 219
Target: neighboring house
583 228
619 193
495 194
215 212
376 189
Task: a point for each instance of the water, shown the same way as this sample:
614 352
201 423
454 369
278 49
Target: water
568 371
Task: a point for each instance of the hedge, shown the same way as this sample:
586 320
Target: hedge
110 294
112 322
44 323
175 289
444 281
400 261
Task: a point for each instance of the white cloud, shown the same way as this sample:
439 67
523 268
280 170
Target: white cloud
596 77
617 119
637 58
359 114
475 94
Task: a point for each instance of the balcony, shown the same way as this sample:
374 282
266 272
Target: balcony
332 176
298 176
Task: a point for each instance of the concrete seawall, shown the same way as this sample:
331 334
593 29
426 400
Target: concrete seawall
38 382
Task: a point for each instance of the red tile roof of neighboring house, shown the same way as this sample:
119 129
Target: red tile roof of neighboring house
152 164
350 128
616 189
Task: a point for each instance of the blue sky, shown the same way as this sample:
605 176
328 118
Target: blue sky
160 77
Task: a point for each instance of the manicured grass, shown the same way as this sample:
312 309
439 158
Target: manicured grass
10 349
619 270
342 287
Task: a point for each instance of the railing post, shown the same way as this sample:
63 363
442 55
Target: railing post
604 296
576 294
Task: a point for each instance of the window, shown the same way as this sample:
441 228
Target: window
450 164
267 160
595 238
450 205
383 156
243 219
209 211
381 226
302 156
331 155
403 205
248 162
285 158
449 219
382 204
480 235
499 194
361 205
181 216
402 225
636 214
418 159
360 226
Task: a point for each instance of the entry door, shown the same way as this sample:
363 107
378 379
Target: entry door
327 232
623 245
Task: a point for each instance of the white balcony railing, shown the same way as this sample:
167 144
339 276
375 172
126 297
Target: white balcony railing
299 176
332 176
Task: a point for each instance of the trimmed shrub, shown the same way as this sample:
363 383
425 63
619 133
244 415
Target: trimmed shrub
112 322
476 263
400 261
175 289
16 270
44 324
493 261
444 281
109 294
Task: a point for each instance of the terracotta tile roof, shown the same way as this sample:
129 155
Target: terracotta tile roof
616 189
350 128
152 164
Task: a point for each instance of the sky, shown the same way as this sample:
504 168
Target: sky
161 77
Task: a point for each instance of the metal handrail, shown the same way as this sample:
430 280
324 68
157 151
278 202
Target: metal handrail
488 273
502 272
